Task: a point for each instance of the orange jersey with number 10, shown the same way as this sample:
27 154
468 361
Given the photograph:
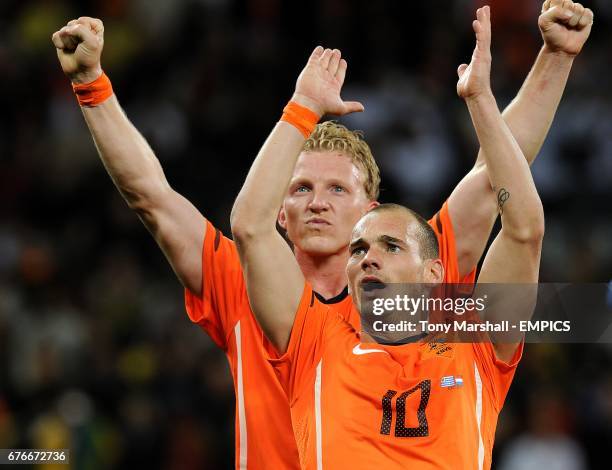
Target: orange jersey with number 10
366 405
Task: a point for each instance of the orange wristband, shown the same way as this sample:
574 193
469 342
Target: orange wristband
93 93
300 117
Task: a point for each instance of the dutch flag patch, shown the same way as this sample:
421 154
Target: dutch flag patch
451 381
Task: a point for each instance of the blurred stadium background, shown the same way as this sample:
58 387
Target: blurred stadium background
96 351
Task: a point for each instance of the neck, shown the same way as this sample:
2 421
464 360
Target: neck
407 329
365 337
326 274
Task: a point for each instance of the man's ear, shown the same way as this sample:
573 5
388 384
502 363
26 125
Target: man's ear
282 219
372 205
434 271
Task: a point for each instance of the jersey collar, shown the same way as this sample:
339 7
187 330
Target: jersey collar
334 300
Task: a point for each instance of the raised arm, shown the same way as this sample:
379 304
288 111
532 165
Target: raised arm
514 256
273 277
565 27
178 227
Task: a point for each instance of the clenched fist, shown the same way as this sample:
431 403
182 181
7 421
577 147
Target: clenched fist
565 25
79 47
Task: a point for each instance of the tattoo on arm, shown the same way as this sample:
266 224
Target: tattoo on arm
502 197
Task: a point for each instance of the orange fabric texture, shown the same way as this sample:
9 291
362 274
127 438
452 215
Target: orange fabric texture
93 93
264 434
262 421
443 227
366 405
300 117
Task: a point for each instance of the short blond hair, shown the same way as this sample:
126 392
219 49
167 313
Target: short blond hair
329 136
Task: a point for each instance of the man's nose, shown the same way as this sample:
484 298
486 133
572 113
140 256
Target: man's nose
319 202
371 260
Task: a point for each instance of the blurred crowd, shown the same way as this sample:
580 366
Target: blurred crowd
96 351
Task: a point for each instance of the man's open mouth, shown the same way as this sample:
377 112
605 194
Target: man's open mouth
371 283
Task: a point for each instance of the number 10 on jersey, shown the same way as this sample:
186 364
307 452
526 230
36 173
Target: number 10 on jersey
422 430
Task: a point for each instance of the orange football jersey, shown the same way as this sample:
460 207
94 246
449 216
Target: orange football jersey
366 405
264 436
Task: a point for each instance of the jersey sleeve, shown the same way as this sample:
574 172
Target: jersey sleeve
304 351
443 228
497 373
223 296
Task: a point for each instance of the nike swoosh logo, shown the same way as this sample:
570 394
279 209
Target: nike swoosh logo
358 351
